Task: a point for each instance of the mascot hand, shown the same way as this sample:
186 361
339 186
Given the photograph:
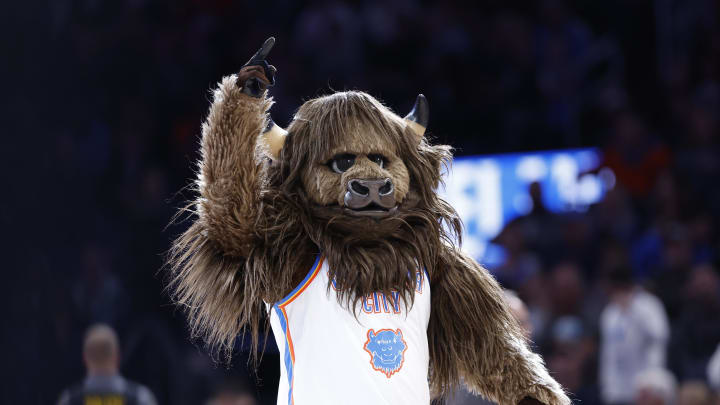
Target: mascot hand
257 75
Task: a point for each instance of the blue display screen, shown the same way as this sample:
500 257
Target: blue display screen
488 191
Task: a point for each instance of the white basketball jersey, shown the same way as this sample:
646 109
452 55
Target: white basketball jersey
328 355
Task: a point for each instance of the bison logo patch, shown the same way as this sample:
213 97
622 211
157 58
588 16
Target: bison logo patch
387 350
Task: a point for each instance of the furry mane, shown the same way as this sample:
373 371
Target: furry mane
364 255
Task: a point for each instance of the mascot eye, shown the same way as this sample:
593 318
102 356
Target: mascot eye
378 159
341 163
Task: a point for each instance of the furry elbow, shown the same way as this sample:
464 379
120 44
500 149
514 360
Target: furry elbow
226 227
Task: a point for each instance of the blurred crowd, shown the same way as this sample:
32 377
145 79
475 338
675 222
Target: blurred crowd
108 97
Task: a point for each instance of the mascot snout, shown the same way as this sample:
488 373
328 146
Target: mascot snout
370 197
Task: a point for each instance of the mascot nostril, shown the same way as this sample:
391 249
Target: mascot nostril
370 198
387 188
357 188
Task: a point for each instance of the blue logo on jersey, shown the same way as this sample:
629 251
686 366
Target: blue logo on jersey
387 350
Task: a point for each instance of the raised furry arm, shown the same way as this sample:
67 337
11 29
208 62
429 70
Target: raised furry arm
230 169
206 261
475 340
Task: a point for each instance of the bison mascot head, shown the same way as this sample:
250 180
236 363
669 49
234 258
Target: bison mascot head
359 184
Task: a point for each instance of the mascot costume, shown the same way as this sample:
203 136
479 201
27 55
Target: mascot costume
334 230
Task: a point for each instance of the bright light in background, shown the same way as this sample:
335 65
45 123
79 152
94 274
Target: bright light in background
531 168
489 191
481 212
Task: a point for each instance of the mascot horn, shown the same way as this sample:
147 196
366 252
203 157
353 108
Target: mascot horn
342 242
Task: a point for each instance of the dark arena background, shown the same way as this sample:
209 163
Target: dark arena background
589 164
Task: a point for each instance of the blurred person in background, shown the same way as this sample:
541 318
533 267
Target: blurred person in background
571 358
567 289
521 264
655 386
560 293
232 391
696 331
104 384
634 155
634 333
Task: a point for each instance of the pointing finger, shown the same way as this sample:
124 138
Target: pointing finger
263 52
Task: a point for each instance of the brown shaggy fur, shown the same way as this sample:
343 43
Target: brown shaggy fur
258 225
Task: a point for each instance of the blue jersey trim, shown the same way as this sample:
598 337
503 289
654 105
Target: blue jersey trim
288 358
282 317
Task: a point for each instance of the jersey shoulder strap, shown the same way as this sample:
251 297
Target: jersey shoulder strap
298 290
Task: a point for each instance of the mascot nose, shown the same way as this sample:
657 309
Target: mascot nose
362 193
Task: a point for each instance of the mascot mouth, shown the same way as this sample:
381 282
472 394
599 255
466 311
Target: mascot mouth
372 210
